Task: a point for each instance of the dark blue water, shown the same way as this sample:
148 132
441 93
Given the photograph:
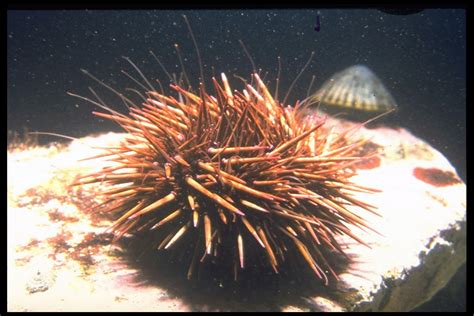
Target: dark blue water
421 58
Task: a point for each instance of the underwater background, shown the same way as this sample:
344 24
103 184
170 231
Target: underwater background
420 58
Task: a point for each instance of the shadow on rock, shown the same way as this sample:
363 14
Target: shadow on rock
212 288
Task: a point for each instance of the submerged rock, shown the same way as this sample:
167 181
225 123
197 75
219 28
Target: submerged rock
422 240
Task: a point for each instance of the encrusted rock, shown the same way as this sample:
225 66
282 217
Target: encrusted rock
422 240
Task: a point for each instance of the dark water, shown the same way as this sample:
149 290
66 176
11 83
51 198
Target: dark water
421 58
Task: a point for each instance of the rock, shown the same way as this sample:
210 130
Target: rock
422 240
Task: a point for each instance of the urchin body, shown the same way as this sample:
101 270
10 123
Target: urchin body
237 178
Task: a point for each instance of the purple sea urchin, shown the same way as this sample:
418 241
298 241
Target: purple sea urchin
237 177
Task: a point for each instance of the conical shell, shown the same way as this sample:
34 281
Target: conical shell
356 89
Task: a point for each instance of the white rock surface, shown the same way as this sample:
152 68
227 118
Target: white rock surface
58 259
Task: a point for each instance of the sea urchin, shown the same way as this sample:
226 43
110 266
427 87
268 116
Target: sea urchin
238 178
